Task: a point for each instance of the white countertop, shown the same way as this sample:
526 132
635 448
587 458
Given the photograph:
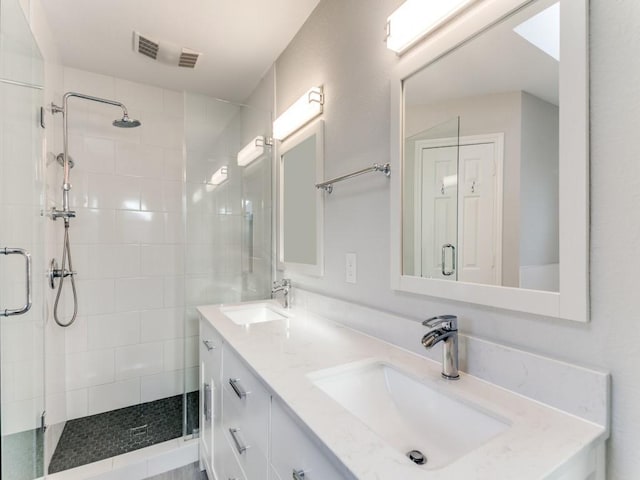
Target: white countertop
539 440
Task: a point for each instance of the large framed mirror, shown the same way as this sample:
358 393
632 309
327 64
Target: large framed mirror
489 138
300 204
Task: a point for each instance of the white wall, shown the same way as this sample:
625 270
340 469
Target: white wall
127 344
340 46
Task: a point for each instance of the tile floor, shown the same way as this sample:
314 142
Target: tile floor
97 437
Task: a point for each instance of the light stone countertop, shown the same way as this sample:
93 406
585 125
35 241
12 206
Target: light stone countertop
539 441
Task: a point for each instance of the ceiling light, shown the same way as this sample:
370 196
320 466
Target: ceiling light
219 177
414 19
306 108
543 30
252 151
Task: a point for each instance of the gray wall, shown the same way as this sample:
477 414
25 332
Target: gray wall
340 46
539 241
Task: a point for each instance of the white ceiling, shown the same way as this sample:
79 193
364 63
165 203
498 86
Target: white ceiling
239 39
497 61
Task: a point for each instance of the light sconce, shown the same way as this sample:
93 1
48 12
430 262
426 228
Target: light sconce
305 109
219 177
414 19
252 151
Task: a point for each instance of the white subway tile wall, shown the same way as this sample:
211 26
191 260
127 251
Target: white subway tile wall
127 344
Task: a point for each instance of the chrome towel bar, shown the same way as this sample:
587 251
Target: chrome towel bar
328 185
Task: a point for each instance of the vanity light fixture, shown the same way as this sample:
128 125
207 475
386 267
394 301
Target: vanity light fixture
414 19
305 109
252 151
219 177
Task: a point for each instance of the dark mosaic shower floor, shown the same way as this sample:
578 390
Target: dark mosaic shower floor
90 439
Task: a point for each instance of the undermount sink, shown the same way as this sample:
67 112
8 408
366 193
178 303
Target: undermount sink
252 313
408 414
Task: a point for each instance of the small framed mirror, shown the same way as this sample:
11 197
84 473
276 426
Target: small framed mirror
300 204
490 141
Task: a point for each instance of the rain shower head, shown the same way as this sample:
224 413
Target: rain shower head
126 122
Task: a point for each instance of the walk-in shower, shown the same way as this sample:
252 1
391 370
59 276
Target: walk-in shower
61 271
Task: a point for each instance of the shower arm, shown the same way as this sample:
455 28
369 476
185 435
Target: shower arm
66 186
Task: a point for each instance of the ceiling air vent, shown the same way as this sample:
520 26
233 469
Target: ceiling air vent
165 52
146 47
188 58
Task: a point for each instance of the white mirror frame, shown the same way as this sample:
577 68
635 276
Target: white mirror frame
316 128
572 300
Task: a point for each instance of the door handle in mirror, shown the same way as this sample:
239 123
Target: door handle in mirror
445 272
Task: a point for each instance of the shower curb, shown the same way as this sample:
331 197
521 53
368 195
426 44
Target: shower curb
138 464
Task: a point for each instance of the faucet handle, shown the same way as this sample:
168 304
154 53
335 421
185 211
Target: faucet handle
448 322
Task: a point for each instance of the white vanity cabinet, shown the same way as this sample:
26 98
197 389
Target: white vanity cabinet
246 433
293 454
210 392
245 416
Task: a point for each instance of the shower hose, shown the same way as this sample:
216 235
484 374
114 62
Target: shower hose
66 259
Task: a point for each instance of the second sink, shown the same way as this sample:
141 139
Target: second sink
408 414
245 314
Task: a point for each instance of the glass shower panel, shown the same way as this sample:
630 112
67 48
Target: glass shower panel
228 215
430 199
21 226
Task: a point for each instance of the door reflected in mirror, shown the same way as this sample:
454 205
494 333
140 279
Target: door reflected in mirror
481 157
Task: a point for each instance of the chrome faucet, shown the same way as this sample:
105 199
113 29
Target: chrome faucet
444 328
283 286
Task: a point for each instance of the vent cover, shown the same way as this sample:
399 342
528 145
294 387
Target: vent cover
188 58
147 47
165 52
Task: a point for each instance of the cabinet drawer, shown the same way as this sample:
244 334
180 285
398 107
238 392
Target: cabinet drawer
210 345
226 463
246 402
293 450
251 457
253 422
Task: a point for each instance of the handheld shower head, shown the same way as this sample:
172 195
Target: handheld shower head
126 122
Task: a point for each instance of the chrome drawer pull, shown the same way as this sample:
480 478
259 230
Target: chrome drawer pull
235 384
240 446
209 344
298 475
207 402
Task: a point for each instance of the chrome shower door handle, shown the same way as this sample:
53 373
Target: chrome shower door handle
27 257
445 272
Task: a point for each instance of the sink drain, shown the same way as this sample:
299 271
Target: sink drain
417 457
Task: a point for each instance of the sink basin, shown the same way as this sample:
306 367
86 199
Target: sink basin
252 313
408 414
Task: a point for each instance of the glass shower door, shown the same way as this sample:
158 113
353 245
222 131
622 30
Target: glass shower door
21 230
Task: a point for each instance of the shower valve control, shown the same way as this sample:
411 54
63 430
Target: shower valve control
55 273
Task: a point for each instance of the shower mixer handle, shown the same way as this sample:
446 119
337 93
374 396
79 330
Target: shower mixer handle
55 273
